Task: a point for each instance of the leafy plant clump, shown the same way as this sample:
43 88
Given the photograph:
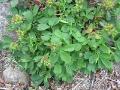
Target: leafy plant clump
57 38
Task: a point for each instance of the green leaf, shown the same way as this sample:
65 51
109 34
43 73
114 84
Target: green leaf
108 64
51 11
69 48
1 1
46 82
77 47
28 15
117 56
24 65
69 69
108 16
54 57
7 39
105 49
66 38
53 21
37 58
31 65
69 1
6 42
25 58
42 27
118 43
72 47
39 64
87 55
78 36
70 19
58 33
46 36
91 67
105 56
14 10
32 36
93 58
57 69
37 79
26 26
63 21
106 60
56 40
93 44
81 64
65 56
35 10
43 20
66 77
1 46
65 28
100 64
14 3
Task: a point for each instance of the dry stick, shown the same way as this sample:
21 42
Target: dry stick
92 79
4 89
76 86
118 82
1 80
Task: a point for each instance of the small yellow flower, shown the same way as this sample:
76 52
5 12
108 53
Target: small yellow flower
97 36
20 34
108 27
94 35
45 60
17 19
89 29
49 2
108 4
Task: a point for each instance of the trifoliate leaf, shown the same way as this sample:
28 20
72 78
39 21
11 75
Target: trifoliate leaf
28 15
57 69
42 27
65 56
35 10
53 21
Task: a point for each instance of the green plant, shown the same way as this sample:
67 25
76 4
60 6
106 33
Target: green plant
57 38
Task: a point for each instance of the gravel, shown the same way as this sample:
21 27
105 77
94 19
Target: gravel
4 12
4 7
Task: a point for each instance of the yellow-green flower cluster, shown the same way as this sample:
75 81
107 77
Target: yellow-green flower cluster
45 61
108 4
79 5
16 19
92 33
20 34
95 35
110 29
49 2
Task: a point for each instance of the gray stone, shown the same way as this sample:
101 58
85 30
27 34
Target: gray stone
14 76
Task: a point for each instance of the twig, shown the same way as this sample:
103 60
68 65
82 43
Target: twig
76 86
4 89
118 82
92 79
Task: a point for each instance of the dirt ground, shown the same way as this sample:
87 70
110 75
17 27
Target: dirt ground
102 80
